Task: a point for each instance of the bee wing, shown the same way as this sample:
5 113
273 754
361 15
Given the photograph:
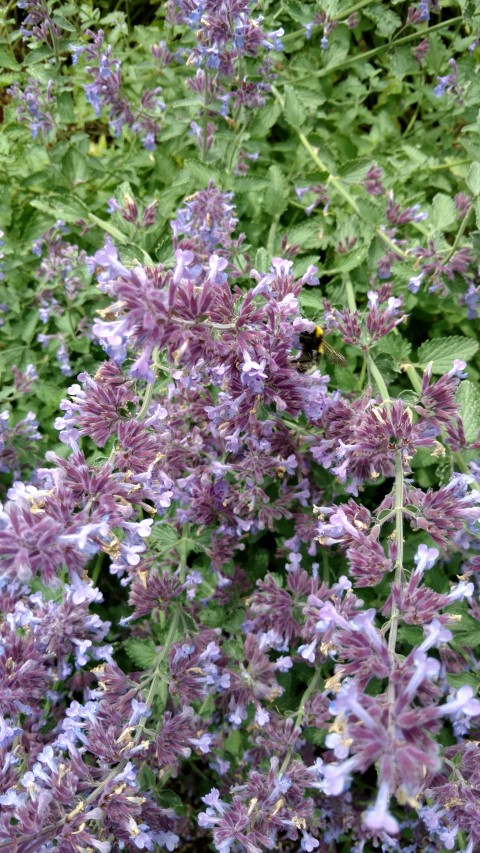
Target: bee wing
333 356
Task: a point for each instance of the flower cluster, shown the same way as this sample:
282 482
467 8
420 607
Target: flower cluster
34 105
61 290
16 439
105 92
38 23
215 448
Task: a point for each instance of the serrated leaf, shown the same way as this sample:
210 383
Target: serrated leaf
143 653
293 109
385 19
233 743
338 47
29 328
170 800
468 398
302 263
315 736
370 211
277 191
396 346
7 60
444 351
262 260
354 170
265 119
473 178
459 679
305 235
201 172
344 263
57 206
444 212
249 184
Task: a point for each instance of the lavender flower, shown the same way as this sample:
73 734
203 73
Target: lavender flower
373 181
17 441
449 84
38 23
34 106
105 92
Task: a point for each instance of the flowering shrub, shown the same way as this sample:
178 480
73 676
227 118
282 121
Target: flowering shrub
239 599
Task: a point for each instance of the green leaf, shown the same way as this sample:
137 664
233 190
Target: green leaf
315 736
352 260
386 20
262 260
399 348
302 263
265 119
468 398
201 172
477 213
370 211
459 679
170 800
354 170
466 631
276 196
442 352
29 327
294 110
233 743
306 235
62 207
444 213
7 60
142 652
249 184
473 178
213 618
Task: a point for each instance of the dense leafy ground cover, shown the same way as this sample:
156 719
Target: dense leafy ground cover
239 600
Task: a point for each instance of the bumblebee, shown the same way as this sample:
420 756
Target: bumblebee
313 345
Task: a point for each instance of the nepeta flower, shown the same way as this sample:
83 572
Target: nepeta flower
38 23
34 106
445 513
373 181
106 92
17 441
449 84
97 408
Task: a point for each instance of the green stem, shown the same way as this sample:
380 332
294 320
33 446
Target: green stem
351 301
399 579
184 541
413 376
419 34
272 234
459 236
448 165
299 716
361 378
379 381
96 568
205 117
